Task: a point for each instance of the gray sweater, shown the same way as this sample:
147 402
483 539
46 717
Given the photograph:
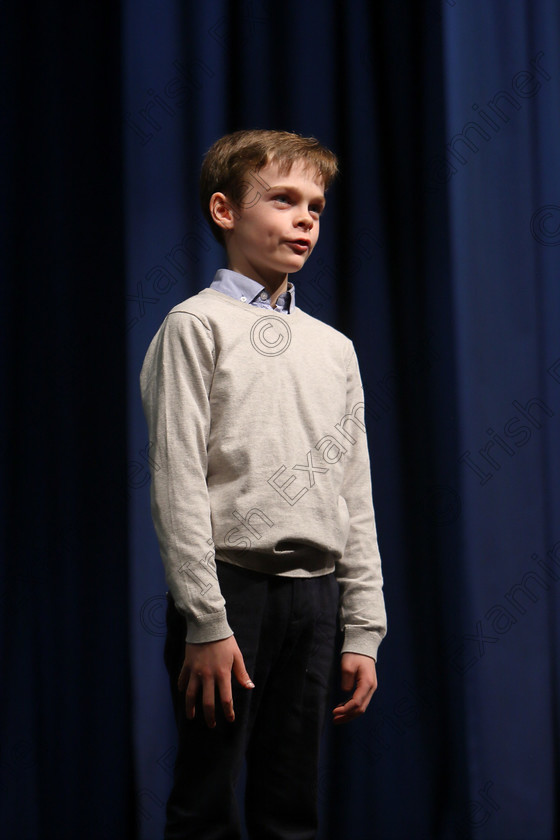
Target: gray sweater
256 422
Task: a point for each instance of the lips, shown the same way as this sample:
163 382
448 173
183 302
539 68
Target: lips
299 245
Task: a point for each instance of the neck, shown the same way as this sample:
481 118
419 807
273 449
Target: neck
275 290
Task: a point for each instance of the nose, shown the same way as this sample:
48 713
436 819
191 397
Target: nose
304 219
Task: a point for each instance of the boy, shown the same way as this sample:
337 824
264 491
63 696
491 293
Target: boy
262 504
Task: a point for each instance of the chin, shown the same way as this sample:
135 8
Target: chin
298 263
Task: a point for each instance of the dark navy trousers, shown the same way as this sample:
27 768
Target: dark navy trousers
285 628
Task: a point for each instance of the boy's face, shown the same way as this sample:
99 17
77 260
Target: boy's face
275 236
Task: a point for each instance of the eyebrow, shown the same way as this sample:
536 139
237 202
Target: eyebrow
321 198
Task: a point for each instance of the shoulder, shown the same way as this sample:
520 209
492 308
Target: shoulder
186 323
197 306
331 338
213 308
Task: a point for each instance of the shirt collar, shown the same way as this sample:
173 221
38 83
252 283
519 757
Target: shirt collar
239 286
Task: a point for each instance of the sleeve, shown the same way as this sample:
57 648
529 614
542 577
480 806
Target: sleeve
362 608
175 384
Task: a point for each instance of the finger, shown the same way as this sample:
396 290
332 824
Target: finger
354 707
362 695
183 677
226 697
209 702
190 696
345 712
240 672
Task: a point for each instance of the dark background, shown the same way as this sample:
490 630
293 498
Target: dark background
439 256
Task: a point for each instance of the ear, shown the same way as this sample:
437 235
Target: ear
222 211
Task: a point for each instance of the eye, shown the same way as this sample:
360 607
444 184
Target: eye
282 198
317 209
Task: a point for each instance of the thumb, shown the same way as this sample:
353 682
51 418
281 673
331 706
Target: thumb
240 672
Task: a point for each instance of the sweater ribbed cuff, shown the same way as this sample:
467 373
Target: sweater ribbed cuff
208 628
358 640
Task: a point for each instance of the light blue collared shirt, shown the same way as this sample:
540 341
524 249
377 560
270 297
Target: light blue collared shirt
249 291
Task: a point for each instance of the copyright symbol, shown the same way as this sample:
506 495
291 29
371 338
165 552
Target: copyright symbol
270 336
545 224
152 615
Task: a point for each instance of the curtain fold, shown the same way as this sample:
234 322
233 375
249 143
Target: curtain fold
65 724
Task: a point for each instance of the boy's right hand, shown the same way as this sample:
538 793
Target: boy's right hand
208 666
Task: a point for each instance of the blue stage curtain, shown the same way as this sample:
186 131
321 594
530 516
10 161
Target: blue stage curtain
439 256
65 703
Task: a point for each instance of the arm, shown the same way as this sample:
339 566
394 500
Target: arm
362 608
175 383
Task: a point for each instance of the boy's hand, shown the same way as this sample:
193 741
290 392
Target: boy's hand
209 666
358 672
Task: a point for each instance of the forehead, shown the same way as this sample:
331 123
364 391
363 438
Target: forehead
300 172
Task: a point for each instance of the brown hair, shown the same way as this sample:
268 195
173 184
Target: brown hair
230 159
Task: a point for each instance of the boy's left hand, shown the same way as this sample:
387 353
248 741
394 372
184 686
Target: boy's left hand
358 675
